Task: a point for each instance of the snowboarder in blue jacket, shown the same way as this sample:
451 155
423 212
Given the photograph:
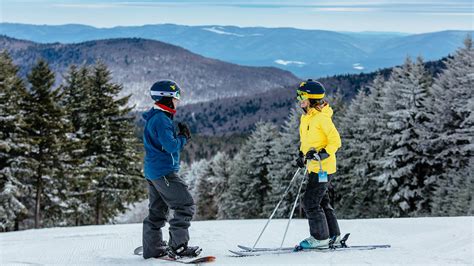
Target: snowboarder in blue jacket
166 190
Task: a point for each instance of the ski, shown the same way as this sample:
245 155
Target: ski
342 246
183 260
243 253
245 248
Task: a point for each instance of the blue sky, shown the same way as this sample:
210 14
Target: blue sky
340 15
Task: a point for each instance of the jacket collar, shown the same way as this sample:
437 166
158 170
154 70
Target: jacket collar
164 108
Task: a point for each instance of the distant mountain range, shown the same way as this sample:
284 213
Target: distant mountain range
138 63
306 53
238 115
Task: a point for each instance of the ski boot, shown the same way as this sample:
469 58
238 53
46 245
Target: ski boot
184 250
337 240
311 242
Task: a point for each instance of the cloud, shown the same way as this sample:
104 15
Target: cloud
86 6
433 6
346 9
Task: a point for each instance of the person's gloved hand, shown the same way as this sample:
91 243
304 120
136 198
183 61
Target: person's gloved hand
311 155
183 130
300 161
323 154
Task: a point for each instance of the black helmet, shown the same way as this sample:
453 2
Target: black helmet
165 88
310 90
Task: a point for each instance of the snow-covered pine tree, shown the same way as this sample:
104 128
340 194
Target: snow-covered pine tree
221 170
362 145
248 183
14 144
350 158
452 106
128 163
192 175
110 155
47 129
283 153
206 207
232 199
404 168
76 100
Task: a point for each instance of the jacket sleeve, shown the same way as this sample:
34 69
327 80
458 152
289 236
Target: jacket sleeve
301 143
166 137
332 135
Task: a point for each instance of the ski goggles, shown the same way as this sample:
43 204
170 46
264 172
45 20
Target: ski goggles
301 95
173 94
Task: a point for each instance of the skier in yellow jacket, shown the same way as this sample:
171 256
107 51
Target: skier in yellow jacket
319 137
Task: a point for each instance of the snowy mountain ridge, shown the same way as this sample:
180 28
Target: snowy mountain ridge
138 63
260 46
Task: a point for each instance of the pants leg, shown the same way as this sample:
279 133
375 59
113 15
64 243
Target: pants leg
152 224
312 198
330 215
174 192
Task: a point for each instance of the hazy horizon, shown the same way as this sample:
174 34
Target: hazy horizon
394 16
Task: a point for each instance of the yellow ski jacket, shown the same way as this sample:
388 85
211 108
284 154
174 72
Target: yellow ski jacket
318 131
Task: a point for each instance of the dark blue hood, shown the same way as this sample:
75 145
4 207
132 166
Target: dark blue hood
149 114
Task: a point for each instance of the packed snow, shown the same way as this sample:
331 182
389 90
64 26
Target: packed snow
358 66
219 30
433 241
286 63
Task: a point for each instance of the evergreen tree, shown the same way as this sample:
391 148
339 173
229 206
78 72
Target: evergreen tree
284 151
196 170
111 157
206 205
452 103
211 183
221 171
248 183
350 157
232 199
76 100
47 127
404 167
14 144
359 194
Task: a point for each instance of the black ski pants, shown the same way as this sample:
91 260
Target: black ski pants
164 193
321 216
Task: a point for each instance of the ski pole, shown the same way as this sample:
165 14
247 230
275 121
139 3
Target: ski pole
294 207
276 208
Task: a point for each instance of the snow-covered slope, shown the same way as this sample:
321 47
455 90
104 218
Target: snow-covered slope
427 241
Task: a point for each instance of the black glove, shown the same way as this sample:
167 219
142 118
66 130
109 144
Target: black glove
184 131
300 161
310 155
323 154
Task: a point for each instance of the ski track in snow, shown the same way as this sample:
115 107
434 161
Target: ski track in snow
421 241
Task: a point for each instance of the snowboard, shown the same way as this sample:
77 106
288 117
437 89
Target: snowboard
184 260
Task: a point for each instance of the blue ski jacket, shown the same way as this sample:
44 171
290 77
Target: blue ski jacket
162 146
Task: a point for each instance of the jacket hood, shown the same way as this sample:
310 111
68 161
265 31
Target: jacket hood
327 111
149 114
